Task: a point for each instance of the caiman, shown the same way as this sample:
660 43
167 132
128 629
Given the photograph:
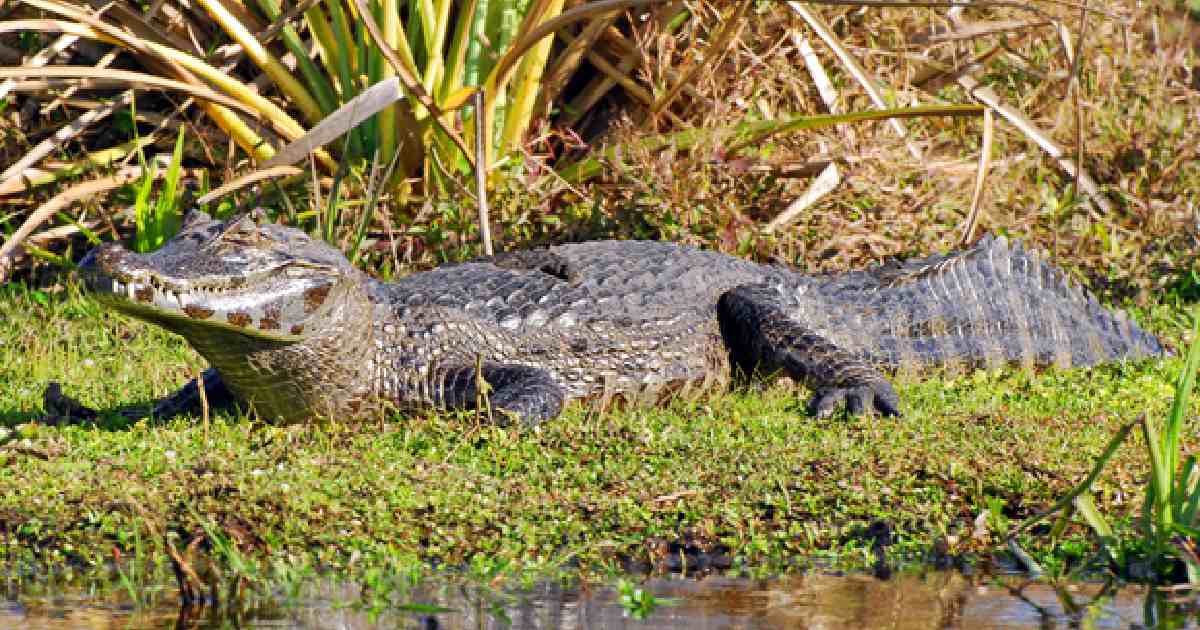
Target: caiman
294 332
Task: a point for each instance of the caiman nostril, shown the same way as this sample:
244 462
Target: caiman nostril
101 258
89 261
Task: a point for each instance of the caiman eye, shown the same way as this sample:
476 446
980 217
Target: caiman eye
242 231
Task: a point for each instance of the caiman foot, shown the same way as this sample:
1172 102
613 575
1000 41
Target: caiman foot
516 394
761 334
530 403
877 396
60 407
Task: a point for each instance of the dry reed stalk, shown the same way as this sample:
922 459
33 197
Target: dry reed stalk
59 100
934 76
599 86
485 227
979 29
54 170
622 47
978 4
64 231
61 136
868 81
164 51
246 180
105 77
824 184
632 88
825 89
988 97
985 160
172 61
41 58
557 74
710 58
31 176
507 64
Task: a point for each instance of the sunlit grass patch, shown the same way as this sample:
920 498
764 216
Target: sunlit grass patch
745 476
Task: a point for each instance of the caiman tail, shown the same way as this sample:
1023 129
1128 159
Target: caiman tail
992 305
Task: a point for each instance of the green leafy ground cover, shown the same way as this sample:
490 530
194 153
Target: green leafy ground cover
747 476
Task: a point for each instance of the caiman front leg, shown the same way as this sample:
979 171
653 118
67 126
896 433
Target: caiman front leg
526 394
761 335
184 400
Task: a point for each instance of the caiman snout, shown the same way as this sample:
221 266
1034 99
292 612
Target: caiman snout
102 259
99 267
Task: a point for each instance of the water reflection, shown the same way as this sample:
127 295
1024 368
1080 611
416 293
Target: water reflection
929 600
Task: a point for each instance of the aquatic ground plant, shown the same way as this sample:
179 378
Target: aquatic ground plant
1165 537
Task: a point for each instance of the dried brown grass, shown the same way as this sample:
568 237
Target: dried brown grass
1138 102
1139 108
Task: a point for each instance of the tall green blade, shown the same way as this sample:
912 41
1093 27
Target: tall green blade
1189 493
1109 450
319 26
142 212
456 58
317 81
393 34
1160 478
474 68
1092 516
166 210
1183 393
435 61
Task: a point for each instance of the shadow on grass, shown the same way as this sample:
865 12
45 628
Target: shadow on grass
10 418
119 418
105 419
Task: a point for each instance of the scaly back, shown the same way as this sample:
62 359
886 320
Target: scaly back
990 305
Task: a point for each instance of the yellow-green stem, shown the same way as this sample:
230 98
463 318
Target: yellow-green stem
264 60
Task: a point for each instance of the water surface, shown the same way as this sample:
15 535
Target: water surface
828 602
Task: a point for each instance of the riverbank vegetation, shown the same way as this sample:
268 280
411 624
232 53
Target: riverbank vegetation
691 122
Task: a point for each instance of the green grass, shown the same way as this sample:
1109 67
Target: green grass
1163 542
156 223
747 471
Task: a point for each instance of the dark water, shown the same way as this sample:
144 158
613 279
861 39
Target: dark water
930 600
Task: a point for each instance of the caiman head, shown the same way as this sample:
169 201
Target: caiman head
262 281
284 318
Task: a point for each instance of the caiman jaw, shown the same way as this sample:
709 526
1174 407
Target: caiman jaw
259 305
